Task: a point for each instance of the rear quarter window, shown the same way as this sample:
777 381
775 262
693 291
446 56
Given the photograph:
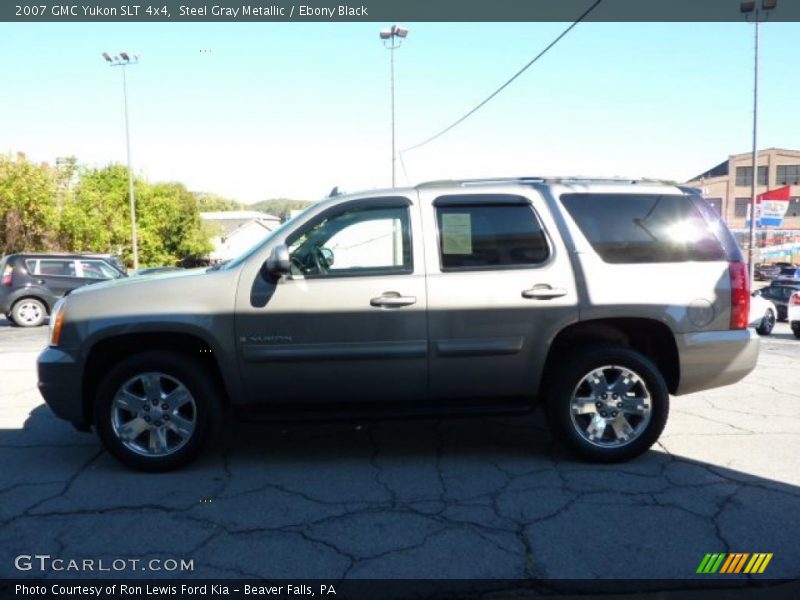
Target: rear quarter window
644 228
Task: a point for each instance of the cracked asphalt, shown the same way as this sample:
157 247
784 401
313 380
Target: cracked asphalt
462 498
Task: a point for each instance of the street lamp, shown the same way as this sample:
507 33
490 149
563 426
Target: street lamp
747 7
393 39
124 60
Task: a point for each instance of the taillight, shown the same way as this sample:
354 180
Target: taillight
794 299
740 295
8 275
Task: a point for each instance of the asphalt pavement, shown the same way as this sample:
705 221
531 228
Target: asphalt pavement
452 498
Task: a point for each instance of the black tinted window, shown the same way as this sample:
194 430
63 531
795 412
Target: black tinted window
644 228
477 236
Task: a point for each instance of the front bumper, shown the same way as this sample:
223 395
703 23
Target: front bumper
60 385
712 359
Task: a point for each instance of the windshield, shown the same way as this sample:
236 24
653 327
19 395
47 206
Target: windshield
261 243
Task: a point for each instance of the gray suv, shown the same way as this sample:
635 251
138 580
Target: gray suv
594 298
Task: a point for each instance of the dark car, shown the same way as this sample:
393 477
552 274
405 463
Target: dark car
767 272
779 292
32 283
790 273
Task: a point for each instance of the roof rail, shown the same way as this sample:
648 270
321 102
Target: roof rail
552 179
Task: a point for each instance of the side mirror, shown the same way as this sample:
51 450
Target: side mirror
279 261
327 255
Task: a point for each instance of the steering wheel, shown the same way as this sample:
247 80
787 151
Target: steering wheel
320 262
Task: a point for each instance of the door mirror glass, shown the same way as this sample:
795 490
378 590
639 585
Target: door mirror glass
278 262
327 255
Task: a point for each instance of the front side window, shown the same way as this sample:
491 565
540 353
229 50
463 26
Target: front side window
496 234
644 228
364 240
97 269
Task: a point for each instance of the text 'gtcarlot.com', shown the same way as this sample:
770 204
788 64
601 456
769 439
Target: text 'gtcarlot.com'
46 563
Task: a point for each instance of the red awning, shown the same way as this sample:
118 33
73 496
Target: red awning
781 193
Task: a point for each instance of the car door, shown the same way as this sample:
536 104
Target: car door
348 325
499 287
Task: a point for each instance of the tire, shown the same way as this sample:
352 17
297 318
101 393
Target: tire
767 323
28 312
10 318
169 437
642 422
796 332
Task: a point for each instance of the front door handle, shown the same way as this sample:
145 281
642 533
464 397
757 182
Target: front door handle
542 291
392 300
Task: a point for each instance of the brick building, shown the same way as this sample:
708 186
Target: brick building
728 185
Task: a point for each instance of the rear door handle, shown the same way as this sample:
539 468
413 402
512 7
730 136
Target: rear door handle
392 300
542 291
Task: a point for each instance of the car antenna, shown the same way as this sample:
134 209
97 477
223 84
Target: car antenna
334 192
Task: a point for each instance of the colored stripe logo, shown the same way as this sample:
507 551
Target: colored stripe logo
734 562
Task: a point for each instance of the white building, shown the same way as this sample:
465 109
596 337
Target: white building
236 231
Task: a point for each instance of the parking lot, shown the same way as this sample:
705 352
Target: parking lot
466 498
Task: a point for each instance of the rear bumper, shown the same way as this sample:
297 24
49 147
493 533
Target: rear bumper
715 358
60 385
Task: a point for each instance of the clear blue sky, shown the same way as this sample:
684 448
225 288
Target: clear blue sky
254 111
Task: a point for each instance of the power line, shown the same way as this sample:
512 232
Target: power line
507 83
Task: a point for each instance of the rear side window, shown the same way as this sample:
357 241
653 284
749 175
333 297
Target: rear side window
644 228
497 234
61 268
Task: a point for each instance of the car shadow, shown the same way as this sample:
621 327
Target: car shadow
486 479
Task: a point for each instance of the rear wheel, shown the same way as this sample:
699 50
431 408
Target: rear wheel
28 312
608 404
10 318
767 323
155 411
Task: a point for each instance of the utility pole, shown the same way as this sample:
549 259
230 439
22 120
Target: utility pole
124 60
751 6
393 39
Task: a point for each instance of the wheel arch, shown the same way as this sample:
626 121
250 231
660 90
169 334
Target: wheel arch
108 351
650 337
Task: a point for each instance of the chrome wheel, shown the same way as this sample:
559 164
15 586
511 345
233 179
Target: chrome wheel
28 312
611 406
153 414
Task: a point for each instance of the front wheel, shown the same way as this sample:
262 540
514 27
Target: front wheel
608 404
767 323
155 411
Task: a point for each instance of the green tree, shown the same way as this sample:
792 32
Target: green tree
170 228
280 207
27 205
96 217
207 202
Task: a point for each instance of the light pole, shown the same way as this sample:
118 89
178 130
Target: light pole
751 6
124 59
393 39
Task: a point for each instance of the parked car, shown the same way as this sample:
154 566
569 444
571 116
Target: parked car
794 313
446 298
778 292
154 271
765 272
763 314
32 283
788 273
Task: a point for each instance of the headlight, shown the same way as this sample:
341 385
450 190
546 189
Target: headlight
57 322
